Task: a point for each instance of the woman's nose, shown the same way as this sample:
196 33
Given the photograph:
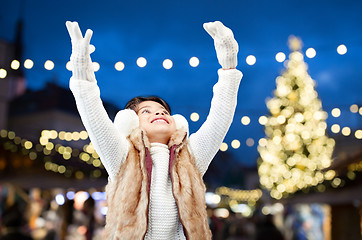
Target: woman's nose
159 112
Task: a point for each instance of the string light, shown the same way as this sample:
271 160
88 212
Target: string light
335 128
235 144
96 66
3 73
346 131
194 117
48 65
167 64
342 49
68 66
28 64
358 134
262 142
280 57
354 108
33 151
263 120
223 147
240 195
310 53
15 64
141 62
250 142
336 112
251 60
245 120
194 62
119 66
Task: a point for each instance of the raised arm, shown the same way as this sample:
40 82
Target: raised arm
205 143
111 146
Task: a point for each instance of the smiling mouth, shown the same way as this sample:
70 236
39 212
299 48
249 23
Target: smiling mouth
159 120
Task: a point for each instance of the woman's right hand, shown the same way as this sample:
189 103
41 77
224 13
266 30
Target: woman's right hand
225 44
81 63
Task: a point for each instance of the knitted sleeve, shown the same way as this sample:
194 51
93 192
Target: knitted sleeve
205 143
111 146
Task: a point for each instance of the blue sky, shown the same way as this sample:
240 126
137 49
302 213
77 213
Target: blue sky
156 30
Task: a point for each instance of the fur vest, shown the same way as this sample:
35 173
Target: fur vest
128 193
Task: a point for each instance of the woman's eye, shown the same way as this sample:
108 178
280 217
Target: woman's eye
145 111
165 112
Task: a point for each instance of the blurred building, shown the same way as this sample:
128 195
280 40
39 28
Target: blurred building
14 83
51 109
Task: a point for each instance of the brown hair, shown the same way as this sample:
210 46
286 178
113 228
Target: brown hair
134 102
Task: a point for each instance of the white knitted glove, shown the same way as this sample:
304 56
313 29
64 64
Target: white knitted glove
81 62
225 45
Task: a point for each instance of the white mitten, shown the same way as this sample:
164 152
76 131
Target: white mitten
81 62
225 45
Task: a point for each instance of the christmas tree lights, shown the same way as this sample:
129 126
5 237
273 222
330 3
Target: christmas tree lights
296 147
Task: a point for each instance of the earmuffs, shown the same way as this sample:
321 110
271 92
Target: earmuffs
127 120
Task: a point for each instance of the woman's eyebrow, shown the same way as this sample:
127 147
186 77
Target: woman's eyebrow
138 110
143 107
164 109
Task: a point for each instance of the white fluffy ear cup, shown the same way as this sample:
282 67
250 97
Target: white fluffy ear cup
126 121
181 123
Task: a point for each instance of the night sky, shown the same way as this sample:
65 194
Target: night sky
156 30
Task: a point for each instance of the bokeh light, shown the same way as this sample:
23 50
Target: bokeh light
3 73
167 64
59 198
15 64
354 108
28 64
70 195
68 66
235 144
336 112
119 66
263 120
194 117
223 147
141 62
280 57
250 142
245 120
310 53
251 60
96 66
346 131
358 134
49 65
194 62
263 142
342 49
335 128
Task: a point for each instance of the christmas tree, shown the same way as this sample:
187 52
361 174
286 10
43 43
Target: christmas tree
296 148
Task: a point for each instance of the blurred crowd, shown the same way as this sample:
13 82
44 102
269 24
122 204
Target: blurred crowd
43 215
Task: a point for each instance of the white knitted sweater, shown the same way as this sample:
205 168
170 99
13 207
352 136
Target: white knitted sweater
112 148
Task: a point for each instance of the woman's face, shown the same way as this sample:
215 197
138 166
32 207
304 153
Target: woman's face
156 121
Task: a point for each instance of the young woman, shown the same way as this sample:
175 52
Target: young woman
155 188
